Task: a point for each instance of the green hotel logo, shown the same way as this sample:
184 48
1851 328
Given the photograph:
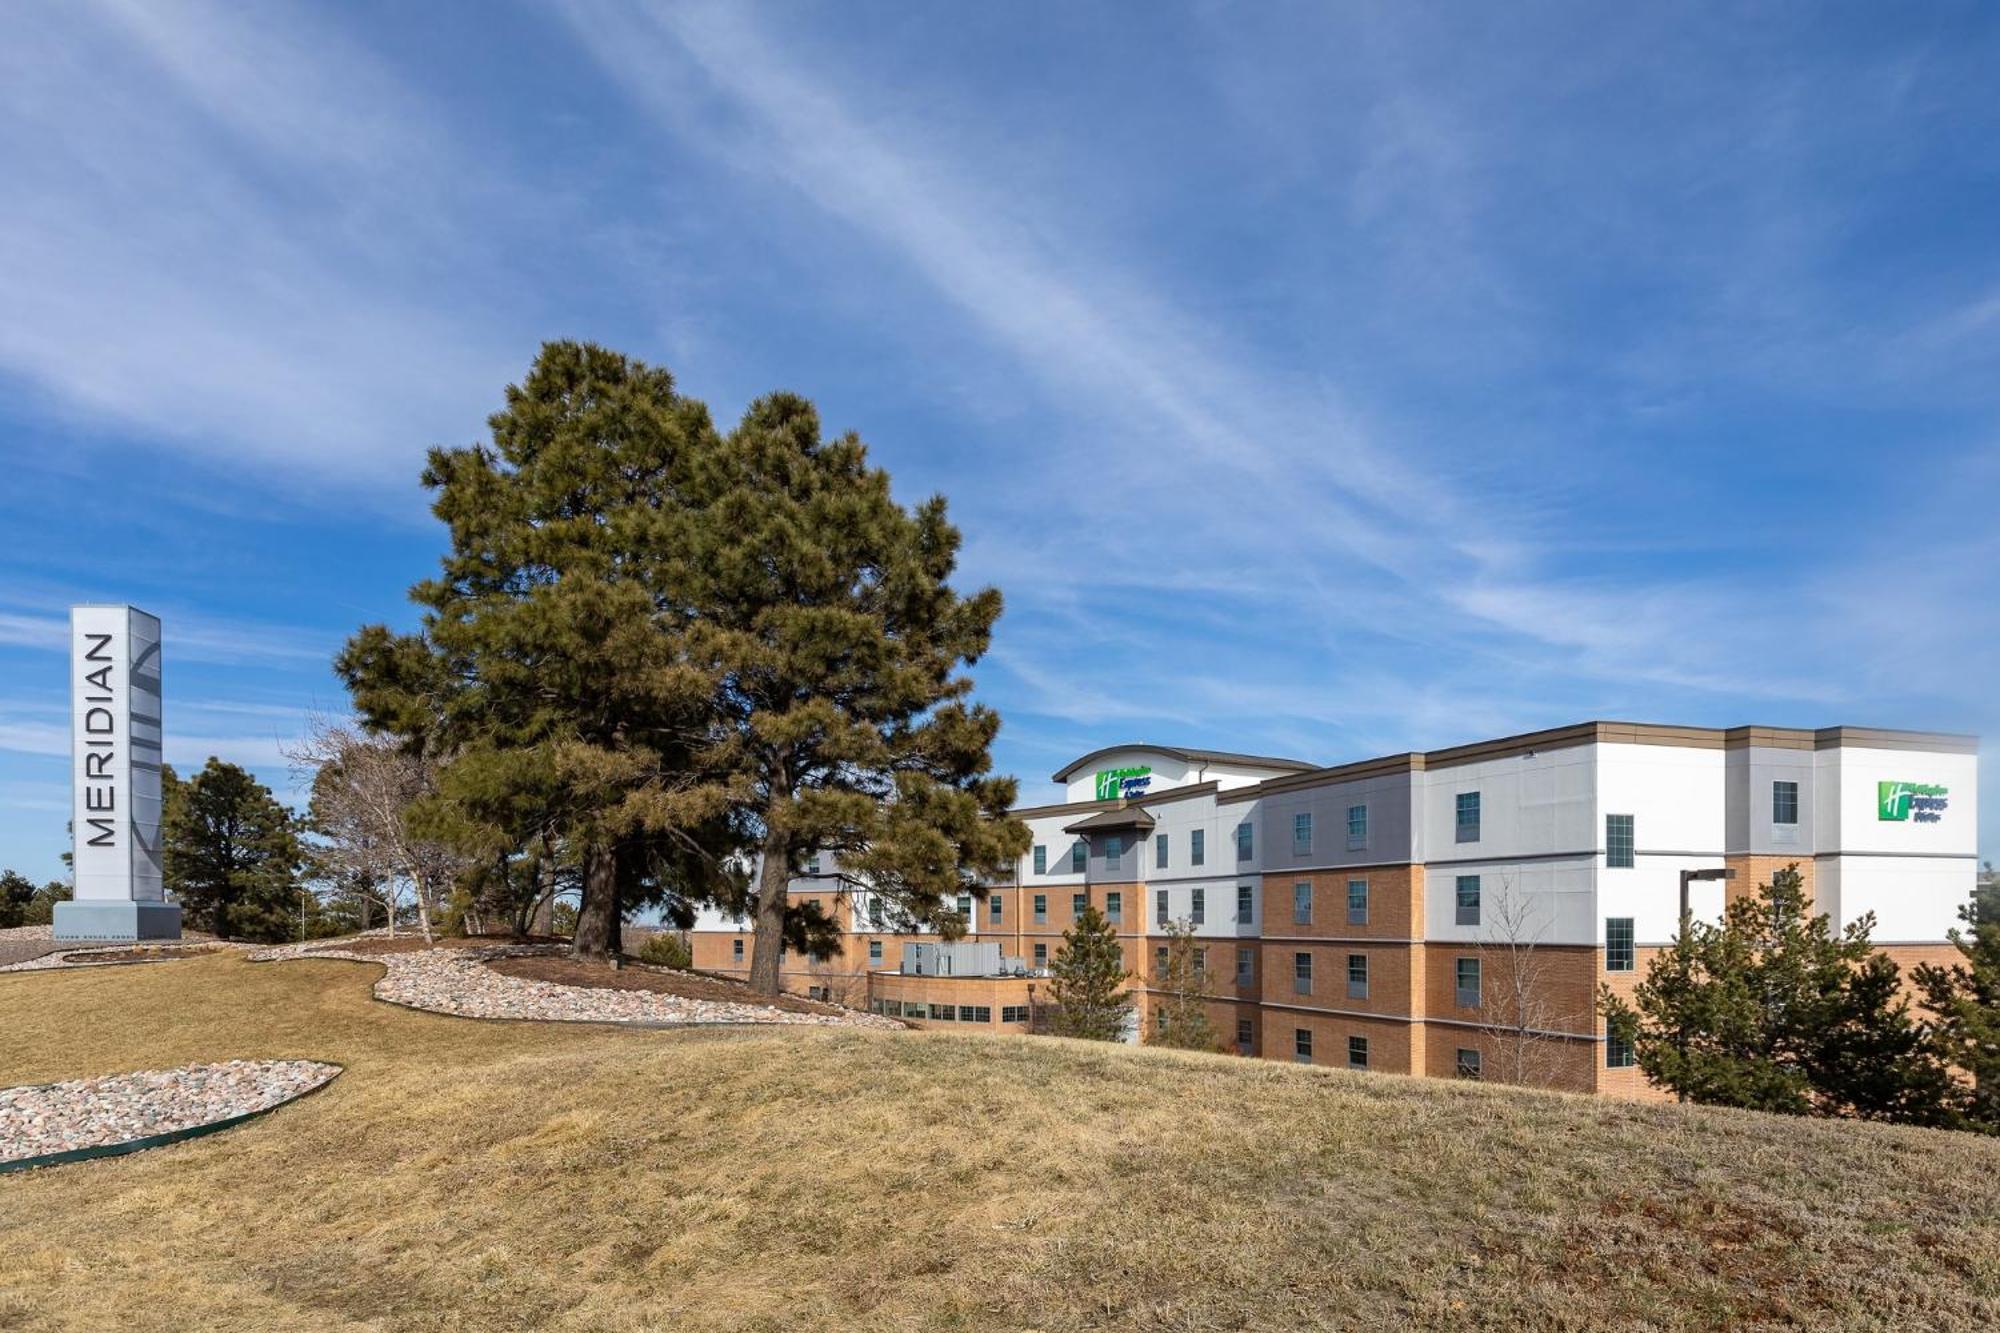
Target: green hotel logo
1113 783
1905 802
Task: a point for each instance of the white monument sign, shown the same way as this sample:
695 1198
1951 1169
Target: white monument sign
115 773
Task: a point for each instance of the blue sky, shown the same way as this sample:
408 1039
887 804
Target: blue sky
1317 380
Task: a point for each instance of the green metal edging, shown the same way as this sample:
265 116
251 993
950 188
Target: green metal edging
119 1149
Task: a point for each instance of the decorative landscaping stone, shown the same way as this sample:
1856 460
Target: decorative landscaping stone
458 982
39 1120
107 955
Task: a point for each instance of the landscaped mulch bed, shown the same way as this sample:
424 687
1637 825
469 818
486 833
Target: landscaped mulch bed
659 980
458 982
100 1113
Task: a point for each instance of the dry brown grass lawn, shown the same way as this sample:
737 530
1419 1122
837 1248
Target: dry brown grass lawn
470 1175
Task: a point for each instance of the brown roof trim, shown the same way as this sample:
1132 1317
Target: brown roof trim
1770 738
1111 819
1358 771
1062 808
1883 738
1181 752
1083 807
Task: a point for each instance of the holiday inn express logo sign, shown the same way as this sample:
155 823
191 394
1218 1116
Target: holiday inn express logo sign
1910 802
1113 783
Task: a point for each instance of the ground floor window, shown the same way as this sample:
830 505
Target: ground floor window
1245 1037
975 1013
1013 1013
1468 1063
1302 1045
819 993
943 1013
1357 1052
736 950
911 1009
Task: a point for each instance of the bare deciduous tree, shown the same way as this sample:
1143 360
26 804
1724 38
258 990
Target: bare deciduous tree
363 789
1522 991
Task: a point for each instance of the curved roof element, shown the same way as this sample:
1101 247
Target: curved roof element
1188 756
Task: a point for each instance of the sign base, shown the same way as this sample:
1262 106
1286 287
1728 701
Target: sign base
109 919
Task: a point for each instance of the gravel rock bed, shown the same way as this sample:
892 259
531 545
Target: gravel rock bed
117 1108
458 982
82 956
27 933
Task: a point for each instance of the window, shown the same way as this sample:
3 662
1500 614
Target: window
1302 1045
1199 913
1077 902
975 1013
1041 955
1197 847
1357 902
736 950
1467 976
1618 842
1160 961
1468 900
1246 967
1079 856
1619 955
1041 859
1468 816
1013 1013
1617 1050
1041 909
1245 1036
812 864
874 951
1114 907
1159 907
1160 1020
1784 803
1201 962
1302 973
1357 827
1357 1052
996 910
965 906
1302 833
1357 976
943 1013
911 1009
1302 903
1468 1063
1246 906
1244 843
1114 850
1160 842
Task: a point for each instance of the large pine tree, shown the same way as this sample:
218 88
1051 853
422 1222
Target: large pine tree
1774 1010
552 670
825 611
230 852
1088 981
1965 1002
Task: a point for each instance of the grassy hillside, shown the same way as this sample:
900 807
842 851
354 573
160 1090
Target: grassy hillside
473 1175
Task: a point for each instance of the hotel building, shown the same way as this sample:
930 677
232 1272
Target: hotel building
1445 913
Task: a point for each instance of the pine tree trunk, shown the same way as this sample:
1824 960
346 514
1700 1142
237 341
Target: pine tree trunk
597 916
773 880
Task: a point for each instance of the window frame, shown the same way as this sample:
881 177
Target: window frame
1362 907
1246 904
1198 906
1302 902
1041 909
1302 833
1473 996
1041 858
1197 847
1114 851
1357 988
1466 913
1079 857
1466 1064
1114 907
1357 830
1615 951
1302 1046
1162 846
1246 843
1357 1051
1779 788
1467 829
1302 972
1621 842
